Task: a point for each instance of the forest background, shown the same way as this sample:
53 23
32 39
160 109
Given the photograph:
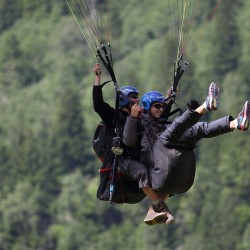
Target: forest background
48 171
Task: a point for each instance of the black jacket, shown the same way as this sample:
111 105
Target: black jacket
172 168
110 116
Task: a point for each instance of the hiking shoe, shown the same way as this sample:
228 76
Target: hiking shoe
170 218
244 117
153 218
162 207
212 97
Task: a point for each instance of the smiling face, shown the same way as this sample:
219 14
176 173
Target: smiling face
156 109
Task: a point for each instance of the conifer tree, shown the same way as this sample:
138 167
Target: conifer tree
70 139
225 41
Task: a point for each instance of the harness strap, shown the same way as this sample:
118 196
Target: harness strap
169 144
103 84
174 111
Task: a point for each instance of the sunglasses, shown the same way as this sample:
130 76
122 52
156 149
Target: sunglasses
158 106
133 95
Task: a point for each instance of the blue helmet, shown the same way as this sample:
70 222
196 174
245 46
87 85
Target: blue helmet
126 90
150 97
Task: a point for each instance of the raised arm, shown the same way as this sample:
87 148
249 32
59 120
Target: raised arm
103 109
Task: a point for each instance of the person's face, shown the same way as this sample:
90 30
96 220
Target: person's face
156 109
134 98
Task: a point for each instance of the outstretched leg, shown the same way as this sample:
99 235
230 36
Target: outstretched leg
242 120
174 131
218 127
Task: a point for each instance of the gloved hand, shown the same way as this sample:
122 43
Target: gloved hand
193 104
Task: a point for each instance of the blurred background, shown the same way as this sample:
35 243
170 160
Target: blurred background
48 171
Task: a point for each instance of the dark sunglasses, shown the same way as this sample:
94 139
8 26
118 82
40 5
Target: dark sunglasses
133 95
158 106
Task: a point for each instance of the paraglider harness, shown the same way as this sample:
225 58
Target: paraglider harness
109 175
109 148
114 186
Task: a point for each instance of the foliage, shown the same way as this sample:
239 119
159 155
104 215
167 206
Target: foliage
49 174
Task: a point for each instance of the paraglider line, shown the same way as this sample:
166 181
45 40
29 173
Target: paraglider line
80 29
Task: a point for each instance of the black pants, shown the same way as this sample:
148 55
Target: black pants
174 165
187 130
135 171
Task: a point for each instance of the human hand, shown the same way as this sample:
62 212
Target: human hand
169 93
97 69
136 111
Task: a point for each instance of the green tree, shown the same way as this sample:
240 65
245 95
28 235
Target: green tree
10 12
48 173
244 40
226 46
16 70
21 218
74 209
70 140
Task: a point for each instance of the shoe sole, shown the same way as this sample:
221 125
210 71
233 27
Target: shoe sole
246 116
157 220
213 96
170 221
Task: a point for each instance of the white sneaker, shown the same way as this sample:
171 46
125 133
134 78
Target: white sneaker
212 97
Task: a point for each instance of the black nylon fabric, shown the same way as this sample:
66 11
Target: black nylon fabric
172 165
172 168
173 171
126 191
